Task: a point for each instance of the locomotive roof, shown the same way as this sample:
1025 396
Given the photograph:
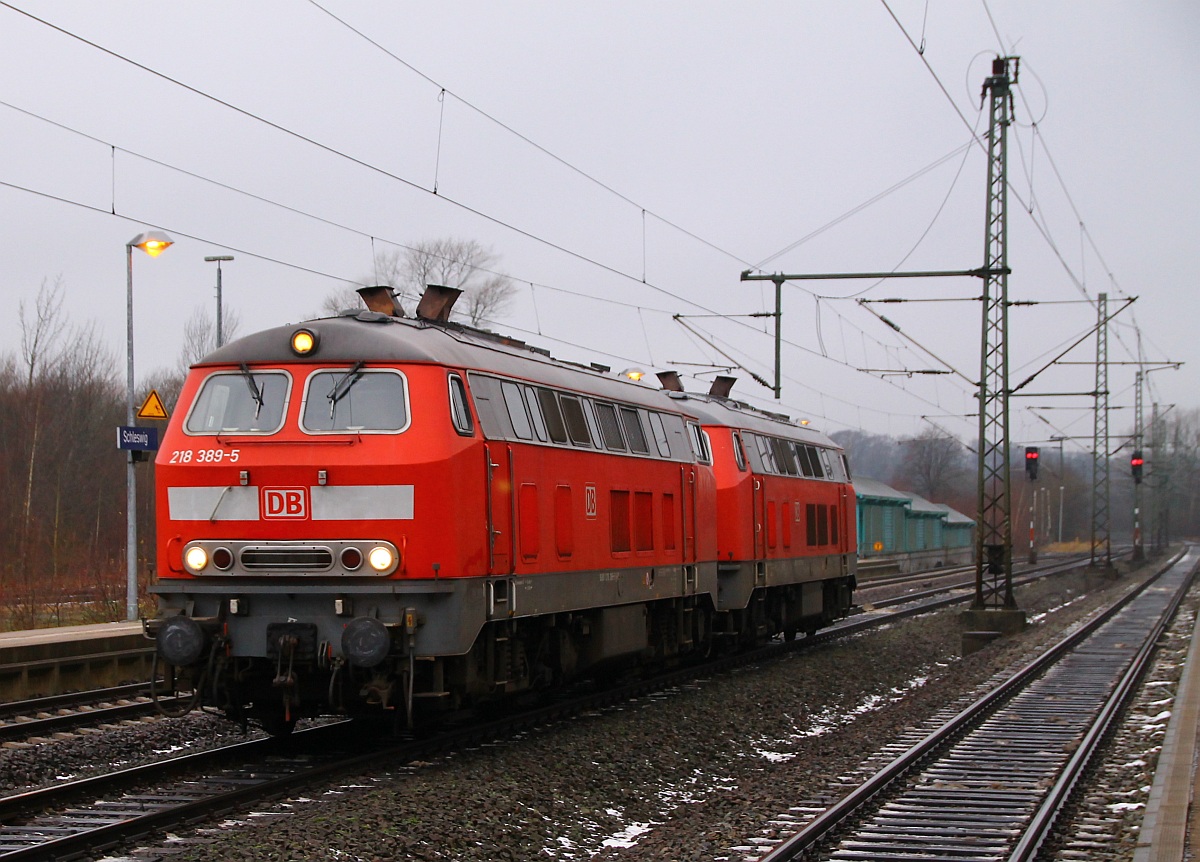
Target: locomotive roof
714 410
373 337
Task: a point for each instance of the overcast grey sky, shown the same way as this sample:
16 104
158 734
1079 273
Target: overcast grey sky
627 160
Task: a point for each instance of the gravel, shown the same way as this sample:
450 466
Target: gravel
94 751
702 772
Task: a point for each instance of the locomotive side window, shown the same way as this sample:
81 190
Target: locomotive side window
634 432
738 455
535 412
699 441
660 435
817 468
577 426
354 399
248 402
815 461
676 437
553 416
589 413
765 453
460 413
825 461
516 410
490 408
783 456
610 426
805 461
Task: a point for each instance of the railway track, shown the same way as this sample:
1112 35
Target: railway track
180 791
990 782
45 716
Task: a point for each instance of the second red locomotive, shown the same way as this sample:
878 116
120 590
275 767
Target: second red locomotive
374 511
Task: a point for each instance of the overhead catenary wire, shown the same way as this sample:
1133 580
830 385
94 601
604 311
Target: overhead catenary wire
371 237
590 261
526 139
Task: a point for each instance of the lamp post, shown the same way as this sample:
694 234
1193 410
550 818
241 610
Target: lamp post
1062 483
154 243
218 258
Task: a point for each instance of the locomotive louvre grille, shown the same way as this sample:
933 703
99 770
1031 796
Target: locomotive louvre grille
290 559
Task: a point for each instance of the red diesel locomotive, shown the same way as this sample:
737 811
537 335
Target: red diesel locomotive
373 512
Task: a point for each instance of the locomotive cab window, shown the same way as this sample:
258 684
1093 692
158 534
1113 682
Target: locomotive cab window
460 413
245 402
340 400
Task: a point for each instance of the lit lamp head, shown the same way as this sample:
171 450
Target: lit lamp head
152 242
634 374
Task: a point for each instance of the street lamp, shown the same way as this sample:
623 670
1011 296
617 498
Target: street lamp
218 258
153 243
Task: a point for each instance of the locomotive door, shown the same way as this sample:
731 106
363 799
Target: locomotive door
760 515
687 511
499 508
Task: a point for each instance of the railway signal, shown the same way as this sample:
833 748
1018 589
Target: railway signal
1031 462
1135 465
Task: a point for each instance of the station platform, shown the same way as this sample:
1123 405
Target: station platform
1171 825
42 662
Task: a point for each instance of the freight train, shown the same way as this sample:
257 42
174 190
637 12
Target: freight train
381 513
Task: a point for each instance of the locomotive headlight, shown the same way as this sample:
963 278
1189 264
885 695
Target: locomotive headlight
304 342
381 559
195 558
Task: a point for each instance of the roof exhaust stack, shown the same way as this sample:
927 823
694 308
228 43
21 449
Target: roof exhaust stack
381 298
436 302
670 381
721 386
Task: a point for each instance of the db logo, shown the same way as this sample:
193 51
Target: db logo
284 503
589 501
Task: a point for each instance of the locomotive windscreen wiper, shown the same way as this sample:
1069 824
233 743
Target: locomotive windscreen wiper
339 390
256 391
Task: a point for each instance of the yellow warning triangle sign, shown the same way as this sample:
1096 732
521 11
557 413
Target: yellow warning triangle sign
152 407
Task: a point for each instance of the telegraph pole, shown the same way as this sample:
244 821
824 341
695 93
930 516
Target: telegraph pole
1139 552
1100 472
993 536
994 533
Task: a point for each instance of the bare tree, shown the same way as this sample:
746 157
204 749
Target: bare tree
59 402
40 335
465 264
342 298
934 464
200 336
